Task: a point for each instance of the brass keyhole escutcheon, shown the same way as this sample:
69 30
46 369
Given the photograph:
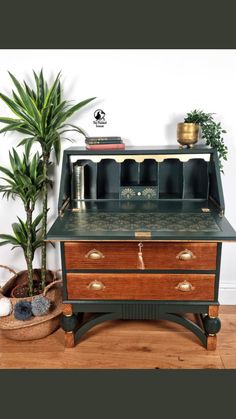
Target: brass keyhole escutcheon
140 264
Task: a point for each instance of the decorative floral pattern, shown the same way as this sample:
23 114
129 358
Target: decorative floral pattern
101 222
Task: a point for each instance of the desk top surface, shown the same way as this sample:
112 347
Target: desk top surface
168 149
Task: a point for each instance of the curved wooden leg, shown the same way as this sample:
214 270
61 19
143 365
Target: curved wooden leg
96 319
188 324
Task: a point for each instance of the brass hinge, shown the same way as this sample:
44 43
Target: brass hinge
221 210
63 207
206 210
142 233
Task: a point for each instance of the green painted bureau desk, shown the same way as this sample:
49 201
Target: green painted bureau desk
141 232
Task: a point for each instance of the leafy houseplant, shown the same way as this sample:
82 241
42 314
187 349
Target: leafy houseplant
24 180
41 116
211 131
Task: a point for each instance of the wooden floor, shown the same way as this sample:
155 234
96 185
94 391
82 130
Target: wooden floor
127 345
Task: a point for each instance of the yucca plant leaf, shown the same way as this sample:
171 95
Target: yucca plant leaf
52 92
17 110
58 110
3 243
33 167
23 226
44 118
41 92
25 98
30 92
17 99
26 140
37 244
74 128
19 233
28 146
57 148
59 93
13 163
16 159
62 117
11 127
24 130
78 106
9 238
11 182
9 120
7 172
37 220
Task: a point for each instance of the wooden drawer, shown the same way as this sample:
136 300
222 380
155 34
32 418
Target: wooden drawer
85 286
156 255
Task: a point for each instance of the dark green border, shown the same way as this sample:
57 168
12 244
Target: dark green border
117 394
118 24
182 24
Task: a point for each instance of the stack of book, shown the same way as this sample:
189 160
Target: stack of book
104 143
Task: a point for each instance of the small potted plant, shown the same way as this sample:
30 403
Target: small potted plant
211 131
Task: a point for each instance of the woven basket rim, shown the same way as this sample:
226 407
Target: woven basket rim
10 323
13 278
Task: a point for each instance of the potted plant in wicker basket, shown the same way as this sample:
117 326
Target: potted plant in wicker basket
41 116
24 179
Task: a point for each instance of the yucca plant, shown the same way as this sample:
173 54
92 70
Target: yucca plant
20 238
41 116
24 179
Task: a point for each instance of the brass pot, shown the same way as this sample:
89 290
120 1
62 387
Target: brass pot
187 133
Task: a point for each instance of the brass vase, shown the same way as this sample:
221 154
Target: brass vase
187 133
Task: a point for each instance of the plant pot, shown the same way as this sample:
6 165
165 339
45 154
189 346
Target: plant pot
20 290
36 327
187 133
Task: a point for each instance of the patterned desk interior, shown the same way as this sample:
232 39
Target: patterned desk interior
116 222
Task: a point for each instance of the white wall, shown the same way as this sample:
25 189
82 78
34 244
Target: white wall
144 94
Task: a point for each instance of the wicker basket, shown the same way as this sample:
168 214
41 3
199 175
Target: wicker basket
36 327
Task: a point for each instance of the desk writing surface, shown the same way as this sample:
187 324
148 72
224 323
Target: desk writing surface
121 221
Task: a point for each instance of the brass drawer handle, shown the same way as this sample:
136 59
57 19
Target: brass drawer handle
185 286
186 255
96 285
94 255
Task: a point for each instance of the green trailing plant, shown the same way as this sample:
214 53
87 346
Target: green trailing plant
211 131
41 115
24 179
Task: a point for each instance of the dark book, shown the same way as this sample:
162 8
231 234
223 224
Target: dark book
103 140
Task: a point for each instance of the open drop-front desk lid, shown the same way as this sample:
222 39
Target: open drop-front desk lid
152 220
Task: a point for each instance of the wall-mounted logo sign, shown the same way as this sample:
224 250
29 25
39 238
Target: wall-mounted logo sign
99 118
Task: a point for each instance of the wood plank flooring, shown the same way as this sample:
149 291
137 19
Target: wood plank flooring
127 345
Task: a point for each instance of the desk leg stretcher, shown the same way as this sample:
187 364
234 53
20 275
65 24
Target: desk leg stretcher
205 329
